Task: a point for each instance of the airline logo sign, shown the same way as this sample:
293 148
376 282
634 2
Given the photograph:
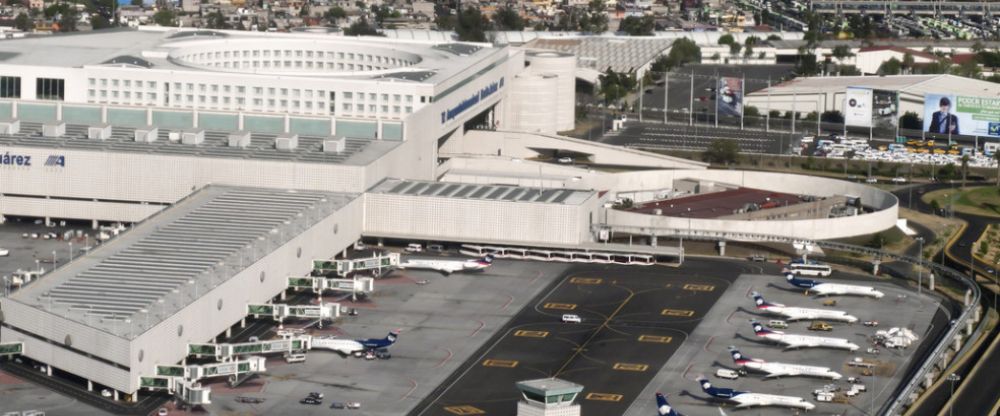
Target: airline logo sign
468 103
858 107
8 159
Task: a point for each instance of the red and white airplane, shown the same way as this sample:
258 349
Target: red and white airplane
774 370
449 266
791 341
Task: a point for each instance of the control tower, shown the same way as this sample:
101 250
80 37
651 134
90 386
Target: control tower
548 397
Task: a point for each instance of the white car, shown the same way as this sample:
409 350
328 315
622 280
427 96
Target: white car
565 160
727 374
571 319
871 180
4 252
414 248
899 179
105 393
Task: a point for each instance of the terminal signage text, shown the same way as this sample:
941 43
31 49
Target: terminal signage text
8 159
471 101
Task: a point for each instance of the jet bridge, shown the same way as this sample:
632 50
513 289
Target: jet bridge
347 266
11 349
280 312
182 381
318 285
224 352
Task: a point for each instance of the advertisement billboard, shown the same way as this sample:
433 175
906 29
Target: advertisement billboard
858 107
729 101
957 114
885 109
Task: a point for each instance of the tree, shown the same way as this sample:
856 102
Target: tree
807 65
597 19
911 121
908 62
471 25
335 14
637 26
751 115
965 168
98 22
890 67
23 22
361 28
215 20
726 39
996 157
67 20
722 151
734 49
615 86
682 52
507 18
878 241
968 68
165 17
841 52
833 116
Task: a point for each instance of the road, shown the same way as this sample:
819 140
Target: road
972 400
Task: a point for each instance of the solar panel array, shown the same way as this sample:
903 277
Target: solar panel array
216 144
177 253
484 192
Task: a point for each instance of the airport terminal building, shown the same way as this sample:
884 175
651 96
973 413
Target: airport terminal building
240 157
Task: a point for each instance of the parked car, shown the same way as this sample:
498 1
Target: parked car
871 180
899 179
337 405
4 252
727 374
777 324
353 405
820 326
870 323
435 248
757 258
565 160
316 395
311 400
162 412
414 248
571 318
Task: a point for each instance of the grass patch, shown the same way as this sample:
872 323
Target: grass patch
982 200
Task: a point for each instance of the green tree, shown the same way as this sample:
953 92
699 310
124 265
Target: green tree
98 22
734 49
682 52
507 18
891 67
637 26
807 65
841 52
597 18
965 168
215 20
361 28
996 157
969 69
23 22
726 39
878 241
832 116
615 86
335 14
908 62
165 17
67 20
471 25
722 151
911 121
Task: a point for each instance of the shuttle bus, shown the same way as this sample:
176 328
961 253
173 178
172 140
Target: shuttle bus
810 269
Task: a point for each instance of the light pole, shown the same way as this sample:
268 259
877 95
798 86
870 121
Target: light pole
952 378
996 283
920 266
70 251
53 259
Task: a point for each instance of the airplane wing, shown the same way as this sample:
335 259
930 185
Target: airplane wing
784 373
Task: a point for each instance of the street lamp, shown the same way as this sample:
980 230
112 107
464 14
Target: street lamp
53 259
70 251
952 378
920 266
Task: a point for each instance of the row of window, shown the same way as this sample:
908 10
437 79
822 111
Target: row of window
287 53
45 88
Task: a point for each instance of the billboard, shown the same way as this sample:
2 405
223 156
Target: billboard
858 107
885 109
957 114
729 101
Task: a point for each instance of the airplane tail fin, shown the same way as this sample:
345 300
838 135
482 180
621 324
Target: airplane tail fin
760 330
803 283
662 407
758 300
487 259
391 338
738 357
706 386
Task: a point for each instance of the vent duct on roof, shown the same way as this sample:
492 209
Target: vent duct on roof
335 145
193 136
147 134
286 141
99 132
54 129
239 139
10 126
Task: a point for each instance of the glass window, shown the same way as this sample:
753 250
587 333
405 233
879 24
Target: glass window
10 87
50 89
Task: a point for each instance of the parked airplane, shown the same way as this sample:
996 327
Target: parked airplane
781 369
794 313
663 408
791 341
745 399
449 266
827 289
355 347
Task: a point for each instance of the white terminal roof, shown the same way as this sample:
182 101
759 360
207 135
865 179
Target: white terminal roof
912 84
499 193
178 49
140 278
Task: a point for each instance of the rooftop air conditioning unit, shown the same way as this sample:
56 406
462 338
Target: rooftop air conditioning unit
286 141
239 139
99 132
54 129
146 134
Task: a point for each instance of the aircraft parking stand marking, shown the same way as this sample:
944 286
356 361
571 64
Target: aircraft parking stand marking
500 363
604 397
531 334
562 306
586 280
684 313
630 367
662 339
464 410
699 288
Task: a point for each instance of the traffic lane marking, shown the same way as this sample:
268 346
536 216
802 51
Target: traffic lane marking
662 339
464 410
683 313
604 397
531 334
631 367
699 288
586 280
491 362
560 306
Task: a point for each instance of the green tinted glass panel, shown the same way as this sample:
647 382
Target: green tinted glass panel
259 124
392 131
224 122
173 119
201 349
260 309
6 110
296 345
299 282
309 126
39 113
324 265
243 367
15 348
356 129
154 382
170 371
247 349
126 117
81 115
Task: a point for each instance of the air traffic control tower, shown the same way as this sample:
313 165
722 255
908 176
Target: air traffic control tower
548 397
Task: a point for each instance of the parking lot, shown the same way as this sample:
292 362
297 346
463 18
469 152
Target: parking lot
698 137
727 324
442 323
634 319
34 251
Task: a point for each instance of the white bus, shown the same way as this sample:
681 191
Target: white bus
812 269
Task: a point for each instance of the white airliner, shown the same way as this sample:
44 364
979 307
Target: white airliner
794 313
791 341
827 289
449 266
745 399
781 369
355 346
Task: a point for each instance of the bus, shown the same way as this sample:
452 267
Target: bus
811 269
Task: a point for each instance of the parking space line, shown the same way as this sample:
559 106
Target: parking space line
561 306
604 397
699 288
630 367
677 312
500 363
662 339
586 280
464 410
531 334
